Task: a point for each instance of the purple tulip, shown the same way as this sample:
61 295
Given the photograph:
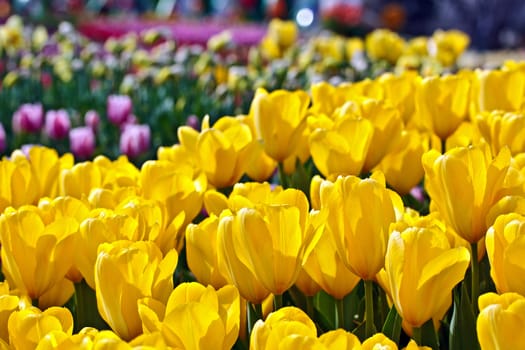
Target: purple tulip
134 139
57 124
82 141
119 108
3 140
28 118
193 122
92 119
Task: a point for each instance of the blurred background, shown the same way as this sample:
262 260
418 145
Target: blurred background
491 24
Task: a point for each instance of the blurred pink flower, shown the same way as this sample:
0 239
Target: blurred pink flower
57 124
135 139
3 140
82 141
193 122
119 108
28 118
92 119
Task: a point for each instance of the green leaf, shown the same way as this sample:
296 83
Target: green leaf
325 310
429 336
462 333
392 326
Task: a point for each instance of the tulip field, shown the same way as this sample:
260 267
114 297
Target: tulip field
310 193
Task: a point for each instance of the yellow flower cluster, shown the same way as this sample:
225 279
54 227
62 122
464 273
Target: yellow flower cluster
119 229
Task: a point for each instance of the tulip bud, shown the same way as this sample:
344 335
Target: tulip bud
118 108
135 139
28 118
82 141
57 124
92 119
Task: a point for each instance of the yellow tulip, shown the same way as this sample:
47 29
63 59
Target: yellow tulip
36 255
498 90
383 44
285 322
342 150
464 183
387 124
222 151
399 91
326 268
359 215
442 103
125 272
259 166
280 118
502 129
412 345
327 98
8 304
179 188
379 341
284 33
28 326
19 184
500 321
198 317
275 237
80 179
402 164
340 339
505 241
421 269
465 135
243 195
201 253
58 295
46 166
448 45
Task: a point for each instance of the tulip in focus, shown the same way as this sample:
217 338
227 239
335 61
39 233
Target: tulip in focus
28 118
36 254
29 326
500 321
82 141
421 269
57 124
503 129
119 107
360 212
465 183
201 252
379 341
125 272
273 237
135 139
505 245
195 317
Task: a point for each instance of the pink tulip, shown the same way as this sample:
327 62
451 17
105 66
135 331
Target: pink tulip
118 108
57 124
82 141
28 118
193 122
92 119
134 139
3 140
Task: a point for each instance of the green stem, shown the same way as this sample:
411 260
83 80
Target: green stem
86 313
277 302
340 313
417 335
282 175
369 308
475 277
310 307
251 315
258 311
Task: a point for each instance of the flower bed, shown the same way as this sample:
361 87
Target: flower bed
385 212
